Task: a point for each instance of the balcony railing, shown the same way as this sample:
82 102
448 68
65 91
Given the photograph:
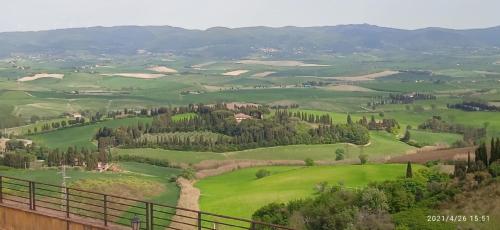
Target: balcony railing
114 211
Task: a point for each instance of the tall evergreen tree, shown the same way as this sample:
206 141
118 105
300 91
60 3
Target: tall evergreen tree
468 162
495 150
409 171
349 119
482 154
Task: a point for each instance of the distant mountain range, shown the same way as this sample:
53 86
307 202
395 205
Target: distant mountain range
221 42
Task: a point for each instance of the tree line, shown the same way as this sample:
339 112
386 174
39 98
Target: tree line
19 155
474 106
399 98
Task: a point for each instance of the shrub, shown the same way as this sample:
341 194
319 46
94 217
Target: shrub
432 163
339 154
309 162
495 169
262 173
321 187
374 201
273 213
188 173
363 158
331 210
172 179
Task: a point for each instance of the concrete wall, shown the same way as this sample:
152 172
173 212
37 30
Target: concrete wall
21 219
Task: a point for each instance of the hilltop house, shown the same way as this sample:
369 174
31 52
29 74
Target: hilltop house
241 116
76 115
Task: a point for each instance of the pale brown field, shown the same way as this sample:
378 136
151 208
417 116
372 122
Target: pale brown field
366 77
39 76
443 154
279 63
235 73
136 75
162 69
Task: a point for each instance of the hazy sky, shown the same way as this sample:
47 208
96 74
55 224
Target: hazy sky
200 14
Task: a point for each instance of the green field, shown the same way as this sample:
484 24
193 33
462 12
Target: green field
381 144
428 138
240 193
81 136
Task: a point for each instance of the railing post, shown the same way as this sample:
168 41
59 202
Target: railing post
148 217
33 195
105 210
30 188
67 202
199 220
1 190
152 216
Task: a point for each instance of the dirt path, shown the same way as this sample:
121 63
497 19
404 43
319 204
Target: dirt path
188 199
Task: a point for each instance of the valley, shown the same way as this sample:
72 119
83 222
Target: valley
268 130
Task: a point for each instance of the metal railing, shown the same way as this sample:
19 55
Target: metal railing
115 211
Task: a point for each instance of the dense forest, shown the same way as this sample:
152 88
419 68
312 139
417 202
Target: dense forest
253 131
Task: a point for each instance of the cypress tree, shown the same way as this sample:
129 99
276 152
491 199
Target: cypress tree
493 151
468 162
349 119
481 154
409 172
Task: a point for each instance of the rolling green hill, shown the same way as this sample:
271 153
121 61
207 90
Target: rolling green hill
240 193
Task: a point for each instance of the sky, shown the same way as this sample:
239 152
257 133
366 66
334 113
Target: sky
29 15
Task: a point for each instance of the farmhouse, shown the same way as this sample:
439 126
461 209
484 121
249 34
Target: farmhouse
75 115
241 116
3 144
4 141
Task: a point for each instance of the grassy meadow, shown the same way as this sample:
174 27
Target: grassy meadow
81 136
240 193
